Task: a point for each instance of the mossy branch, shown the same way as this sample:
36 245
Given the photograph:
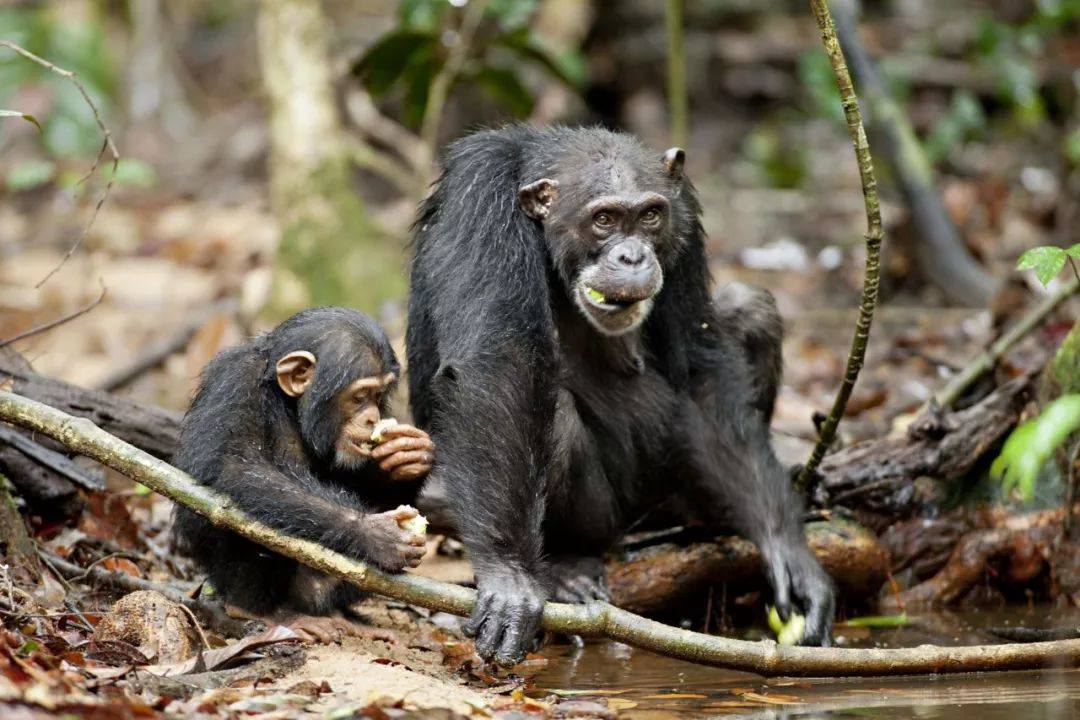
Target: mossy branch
874 236
594 619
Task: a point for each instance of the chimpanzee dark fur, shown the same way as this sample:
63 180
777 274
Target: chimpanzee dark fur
553 436
273 456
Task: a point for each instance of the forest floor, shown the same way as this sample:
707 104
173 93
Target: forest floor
186 263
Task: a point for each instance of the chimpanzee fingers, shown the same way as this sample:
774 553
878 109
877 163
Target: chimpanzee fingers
491 631
819 601
413 471
404 458
401 444
520 631
479 614
781 585
405 512
404 430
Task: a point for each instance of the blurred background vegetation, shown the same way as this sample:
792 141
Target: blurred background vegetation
273 154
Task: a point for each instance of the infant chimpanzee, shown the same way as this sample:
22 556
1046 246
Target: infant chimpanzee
284 426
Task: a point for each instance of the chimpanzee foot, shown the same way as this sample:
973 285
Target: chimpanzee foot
332 630
577 579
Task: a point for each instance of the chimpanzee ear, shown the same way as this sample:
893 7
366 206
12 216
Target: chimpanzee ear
295 371
673 160
536 197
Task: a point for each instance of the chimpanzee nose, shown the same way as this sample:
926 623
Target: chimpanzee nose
368 416
630 254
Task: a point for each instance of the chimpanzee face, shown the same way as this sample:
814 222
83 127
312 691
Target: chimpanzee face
337 411
608 226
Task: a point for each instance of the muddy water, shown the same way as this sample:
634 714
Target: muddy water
645 686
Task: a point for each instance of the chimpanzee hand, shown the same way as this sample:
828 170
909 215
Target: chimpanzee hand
506 619
800 584
406 454
388 545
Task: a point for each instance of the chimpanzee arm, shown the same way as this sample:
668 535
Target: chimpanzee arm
740 483
298 505
479 280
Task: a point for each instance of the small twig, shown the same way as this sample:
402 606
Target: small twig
874 236
57 322
440 86
676 73
1070 492
990 357
198 627
107 145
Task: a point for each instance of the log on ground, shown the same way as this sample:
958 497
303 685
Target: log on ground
652 580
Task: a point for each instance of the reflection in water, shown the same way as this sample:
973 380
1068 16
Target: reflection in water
642 685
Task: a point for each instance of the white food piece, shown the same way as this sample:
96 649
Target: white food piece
417 525
381 427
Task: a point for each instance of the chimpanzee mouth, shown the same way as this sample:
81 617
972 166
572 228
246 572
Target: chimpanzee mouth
612 316
598 300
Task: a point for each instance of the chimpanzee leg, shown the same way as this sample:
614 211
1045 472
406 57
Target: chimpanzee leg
581 520
735 478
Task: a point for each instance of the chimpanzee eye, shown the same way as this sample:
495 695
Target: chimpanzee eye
651 216
603 219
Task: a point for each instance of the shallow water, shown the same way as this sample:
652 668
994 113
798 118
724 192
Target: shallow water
642 685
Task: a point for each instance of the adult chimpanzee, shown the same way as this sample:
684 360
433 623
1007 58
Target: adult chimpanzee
567 358
283 426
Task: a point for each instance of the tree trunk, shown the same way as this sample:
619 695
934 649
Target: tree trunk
330 251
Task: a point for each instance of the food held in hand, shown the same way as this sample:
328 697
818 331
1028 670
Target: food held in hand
789 633
381 427
417 525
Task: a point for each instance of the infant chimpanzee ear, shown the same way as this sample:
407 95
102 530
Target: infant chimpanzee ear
536 197
295 371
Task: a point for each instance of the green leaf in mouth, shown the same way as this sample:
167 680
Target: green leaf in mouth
595 294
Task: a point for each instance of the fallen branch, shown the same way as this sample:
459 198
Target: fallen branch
147 427
877 478
214 616
988 359
874 236
160 351
592 620
655 580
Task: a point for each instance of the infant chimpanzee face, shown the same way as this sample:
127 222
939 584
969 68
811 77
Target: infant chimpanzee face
359 406
337 409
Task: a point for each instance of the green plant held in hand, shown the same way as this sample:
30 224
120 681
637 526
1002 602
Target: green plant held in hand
1033 443
787 633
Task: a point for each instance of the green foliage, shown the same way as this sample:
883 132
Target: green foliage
25 116
30 174
73 44
816 75
964 120
1047 261
782 164
1013 52
411 55
135 173
1033 443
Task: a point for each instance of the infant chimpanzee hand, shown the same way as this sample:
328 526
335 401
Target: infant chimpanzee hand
388 545
406 453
